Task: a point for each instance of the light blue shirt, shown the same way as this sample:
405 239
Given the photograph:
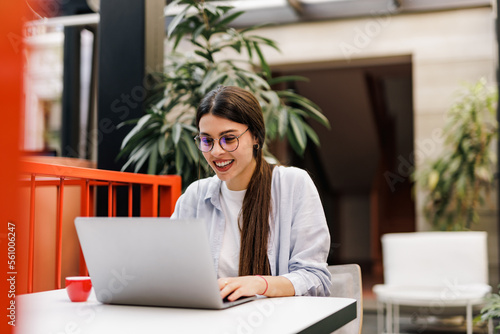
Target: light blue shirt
299 239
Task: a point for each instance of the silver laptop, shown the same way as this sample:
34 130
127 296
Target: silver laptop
151 261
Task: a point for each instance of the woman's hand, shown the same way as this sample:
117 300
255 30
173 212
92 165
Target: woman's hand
271 286
236 287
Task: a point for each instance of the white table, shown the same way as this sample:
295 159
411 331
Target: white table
53 312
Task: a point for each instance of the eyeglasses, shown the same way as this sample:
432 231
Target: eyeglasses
228 143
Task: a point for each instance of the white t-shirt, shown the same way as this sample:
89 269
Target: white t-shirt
231 203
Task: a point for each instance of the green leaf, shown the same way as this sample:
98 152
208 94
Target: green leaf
265 41
211 81
171 4
258 80
236 46
298 112
272 98
176 132
139 155
228 19
162 146
169 145
282 122
249 48
198 32
292 140
211 9
256 27
191 147
177 19
205 55
153 158
307 105
179 161
142 121
244 80
141 161
311 134
178 39
298 131
263 62
190 128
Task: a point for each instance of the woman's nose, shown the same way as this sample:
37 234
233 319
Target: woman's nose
217 149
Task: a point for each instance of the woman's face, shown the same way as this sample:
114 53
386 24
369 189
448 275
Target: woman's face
235 168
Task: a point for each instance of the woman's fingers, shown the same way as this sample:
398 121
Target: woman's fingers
227 286
223 282
236 287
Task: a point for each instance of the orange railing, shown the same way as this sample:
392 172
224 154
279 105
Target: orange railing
158 195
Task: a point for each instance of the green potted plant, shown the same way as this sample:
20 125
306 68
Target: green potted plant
491 311
205 51
457 181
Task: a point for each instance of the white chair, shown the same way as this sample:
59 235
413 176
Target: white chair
346 283
432 269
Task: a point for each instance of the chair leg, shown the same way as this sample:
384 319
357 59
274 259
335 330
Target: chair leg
469 318
380 317
388 319
396 318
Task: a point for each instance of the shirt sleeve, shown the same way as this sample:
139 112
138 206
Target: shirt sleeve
309 237
178 207
185 207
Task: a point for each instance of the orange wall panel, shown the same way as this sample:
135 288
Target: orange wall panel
11 95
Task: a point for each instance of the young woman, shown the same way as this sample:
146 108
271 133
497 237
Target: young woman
267 228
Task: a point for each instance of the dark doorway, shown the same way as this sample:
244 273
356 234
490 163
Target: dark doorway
363 165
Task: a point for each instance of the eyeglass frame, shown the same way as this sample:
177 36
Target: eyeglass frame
218 139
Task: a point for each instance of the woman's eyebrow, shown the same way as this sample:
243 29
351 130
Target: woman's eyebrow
220 134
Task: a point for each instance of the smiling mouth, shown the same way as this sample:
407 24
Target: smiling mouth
223 165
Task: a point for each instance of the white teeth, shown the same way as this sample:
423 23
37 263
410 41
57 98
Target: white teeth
222 164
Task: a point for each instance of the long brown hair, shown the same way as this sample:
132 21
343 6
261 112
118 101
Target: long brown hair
240 106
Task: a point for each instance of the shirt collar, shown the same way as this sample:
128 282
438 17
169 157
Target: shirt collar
213 192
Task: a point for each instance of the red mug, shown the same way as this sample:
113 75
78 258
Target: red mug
78 288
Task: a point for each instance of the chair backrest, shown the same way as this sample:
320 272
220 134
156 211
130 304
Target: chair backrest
435 258
346 282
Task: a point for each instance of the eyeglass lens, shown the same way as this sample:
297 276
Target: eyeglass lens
228 143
